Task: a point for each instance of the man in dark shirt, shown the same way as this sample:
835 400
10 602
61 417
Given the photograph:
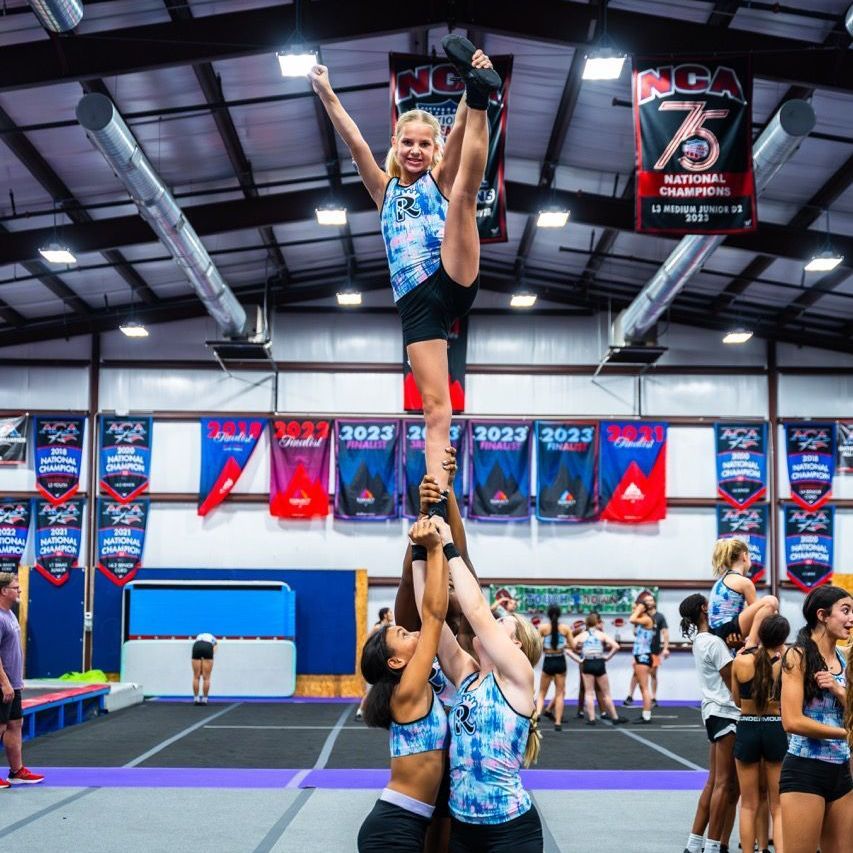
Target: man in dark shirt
660 649
12 683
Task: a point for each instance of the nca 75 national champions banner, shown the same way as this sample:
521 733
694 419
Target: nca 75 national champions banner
741 463
431 84
14 530
299 467
632 471
13 439
125 456
693 129
58 535
121 538
808 545
565 461
366 481
226 446
499 470
59 453
414 463
811 462
750 526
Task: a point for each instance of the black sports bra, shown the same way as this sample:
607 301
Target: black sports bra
746 686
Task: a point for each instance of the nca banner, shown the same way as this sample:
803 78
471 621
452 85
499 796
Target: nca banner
632 471
431 84
226 446
58 535
499 470
741 463
299 467
125 456
366 479
14 530
808 545
693 135
567 486
750 526
59 454
457 360
811 462
121 538
13 439
414 463
844 450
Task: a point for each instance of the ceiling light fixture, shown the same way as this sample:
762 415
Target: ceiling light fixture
737 336
523 299
349 297
331 215
604 60
296 60
55 253
827 258
133 329
552 217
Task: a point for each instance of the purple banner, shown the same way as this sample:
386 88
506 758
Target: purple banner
414 463
366 481
499 470
299 468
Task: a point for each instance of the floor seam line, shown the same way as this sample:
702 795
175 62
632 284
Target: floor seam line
278 829
550 843
45 811
662 750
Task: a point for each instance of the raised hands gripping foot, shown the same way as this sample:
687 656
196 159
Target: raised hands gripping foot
475 69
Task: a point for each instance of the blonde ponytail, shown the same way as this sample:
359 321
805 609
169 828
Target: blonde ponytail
726 551
531 645
534 742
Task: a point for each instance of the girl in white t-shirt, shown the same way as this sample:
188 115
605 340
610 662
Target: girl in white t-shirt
720 714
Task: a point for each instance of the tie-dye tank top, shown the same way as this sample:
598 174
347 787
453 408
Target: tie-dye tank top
487 743
423 735
441 685
725 604
826 709
412 219
593 647
643 640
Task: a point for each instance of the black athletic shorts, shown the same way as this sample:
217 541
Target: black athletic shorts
643 660
522 834
730 627
11 710
428 310
202 650
760 737
393 829
554 664
717 727
595 666
811 776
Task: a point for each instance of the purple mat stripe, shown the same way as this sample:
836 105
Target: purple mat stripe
187 777
272 700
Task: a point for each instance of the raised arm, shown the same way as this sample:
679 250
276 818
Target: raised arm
406 612
374 179
445 172
611 644
640 616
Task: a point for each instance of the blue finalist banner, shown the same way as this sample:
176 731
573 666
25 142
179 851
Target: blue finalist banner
567 485
14 531
414 463
366 475
811 462
499 470
125 456
58 535
808 545
750 526
741 463
226 446
59 455
121 538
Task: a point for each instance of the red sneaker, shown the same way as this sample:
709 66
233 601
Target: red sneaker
4 784
24 777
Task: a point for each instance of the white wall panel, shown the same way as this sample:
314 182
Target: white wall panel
689 345
179 340
791 355
816 396
58 389
377 393
205 391
339 338
710 396
549 395
690 457
77 347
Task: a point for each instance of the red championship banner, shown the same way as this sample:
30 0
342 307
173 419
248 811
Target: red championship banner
457 360
299 467
431 84
693 129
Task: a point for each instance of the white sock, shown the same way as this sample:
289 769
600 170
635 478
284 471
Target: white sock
647 715
712 846
695 842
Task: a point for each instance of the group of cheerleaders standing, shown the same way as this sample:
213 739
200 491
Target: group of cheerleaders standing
779 718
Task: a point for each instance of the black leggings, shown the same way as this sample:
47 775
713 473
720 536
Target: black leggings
520 835
393 829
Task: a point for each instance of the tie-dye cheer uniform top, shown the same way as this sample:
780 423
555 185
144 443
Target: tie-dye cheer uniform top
423 735
412 219
487 743
826 709
725 603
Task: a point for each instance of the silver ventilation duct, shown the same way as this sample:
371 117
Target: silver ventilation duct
111 136
848 19
777 143
57 16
